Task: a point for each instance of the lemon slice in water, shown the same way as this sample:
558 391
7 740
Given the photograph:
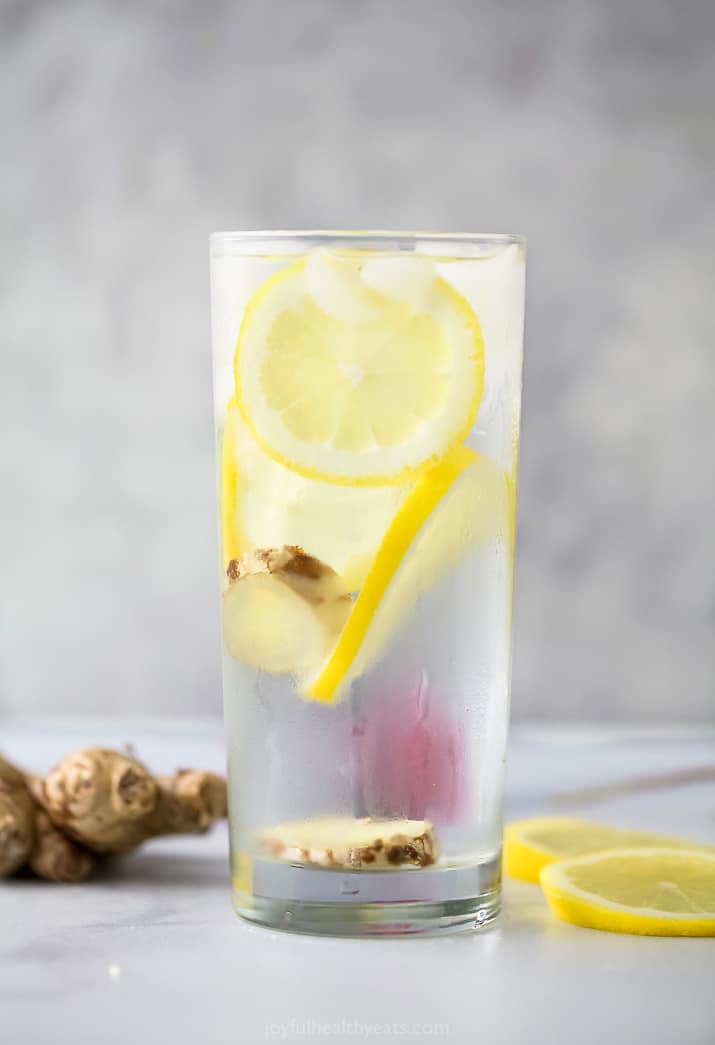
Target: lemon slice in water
347 384
265 505
463 501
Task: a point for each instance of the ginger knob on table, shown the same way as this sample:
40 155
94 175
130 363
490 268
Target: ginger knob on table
93 804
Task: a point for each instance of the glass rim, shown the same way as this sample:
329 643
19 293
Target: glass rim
378 238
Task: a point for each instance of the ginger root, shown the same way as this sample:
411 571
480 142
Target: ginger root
55 857
17 819
94 803
28 837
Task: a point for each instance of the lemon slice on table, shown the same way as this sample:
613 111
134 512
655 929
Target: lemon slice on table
264 505
530 845
347 384
463 501
650 892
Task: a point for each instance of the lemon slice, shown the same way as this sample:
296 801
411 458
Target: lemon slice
530 845
232 541
650 892
462 501
264 505
347 384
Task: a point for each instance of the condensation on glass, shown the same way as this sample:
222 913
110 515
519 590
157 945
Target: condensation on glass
367 399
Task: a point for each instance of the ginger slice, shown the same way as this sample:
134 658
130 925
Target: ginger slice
344 843
283 609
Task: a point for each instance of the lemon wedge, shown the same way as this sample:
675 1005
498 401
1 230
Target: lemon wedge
462 501
264 505
346 384
530 845
650 892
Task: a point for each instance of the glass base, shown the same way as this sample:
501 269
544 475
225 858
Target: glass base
371 903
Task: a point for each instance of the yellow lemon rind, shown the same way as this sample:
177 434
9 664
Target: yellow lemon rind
242 878
230 546
234 541
417 507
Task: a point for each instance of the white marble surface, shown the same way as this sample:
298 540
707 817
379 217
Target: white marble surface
152 951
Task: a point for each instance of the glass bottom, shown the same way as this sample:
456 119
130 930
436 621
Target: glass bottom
371 903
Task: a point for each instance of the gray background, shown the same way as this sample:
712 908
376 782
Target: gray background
131 130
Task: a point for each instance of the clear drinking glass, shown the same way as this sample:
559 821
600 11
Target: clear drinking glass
367 396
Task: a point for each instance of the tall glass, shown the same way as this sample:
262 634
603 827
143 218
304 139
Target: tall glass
367 396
